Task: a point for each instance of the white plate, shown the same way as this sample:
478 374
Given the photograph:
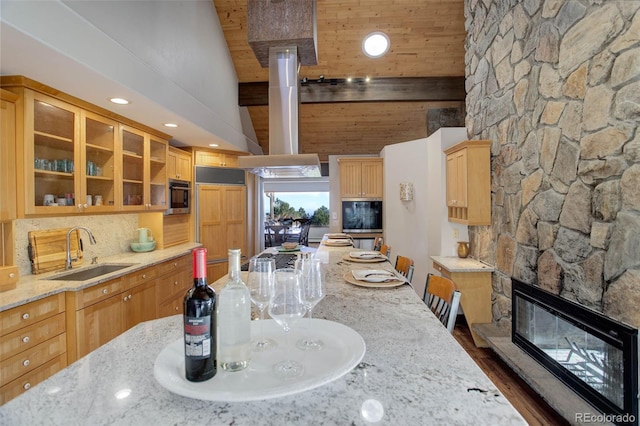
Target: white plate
373 275
348 277
364 254
343 349
378 259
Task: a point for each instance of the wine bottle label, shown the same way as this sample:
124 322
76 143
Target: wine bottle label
197 337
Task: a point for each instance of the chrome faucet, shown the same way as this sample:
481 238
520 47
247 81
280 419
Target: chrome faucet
92 240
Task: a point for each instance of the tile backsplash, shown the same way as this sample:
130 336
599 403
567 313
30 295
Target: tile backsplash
112 233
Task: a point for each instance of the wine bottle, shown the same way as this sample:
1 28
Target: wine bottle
200 323
234 319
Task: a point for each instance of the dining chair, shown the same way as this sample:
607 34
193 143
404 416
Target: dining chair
404 265
385 250
377 243
443 299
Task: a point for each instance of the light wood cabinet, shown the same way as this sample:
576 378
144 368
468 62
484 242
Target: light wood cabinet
105 311
222 222
217 158
78 154
178 164
7 155
468 187
144 171
32 344
8 272
361 177
171 289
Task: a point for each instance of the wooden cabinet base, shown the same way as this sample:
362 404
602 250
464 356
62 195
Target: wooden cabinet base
26 382
475 299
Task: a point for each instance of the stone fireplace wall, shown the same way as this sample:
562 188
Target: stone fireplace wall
555 84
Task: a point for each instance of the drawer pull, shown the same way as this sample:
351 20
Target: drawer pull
105 291
26 386
11 275
177 307
175 283
144 276
175 264
25 316
25 339
26 362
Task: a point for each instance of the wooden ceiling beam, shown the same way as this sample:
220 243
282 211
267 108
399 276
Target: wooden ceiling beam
386 89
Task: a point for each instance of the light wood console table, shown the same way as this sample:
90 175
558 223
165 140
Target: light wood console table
473 279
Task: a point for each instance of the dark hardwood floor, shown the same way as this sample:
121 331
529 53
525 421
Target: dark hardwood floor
528 403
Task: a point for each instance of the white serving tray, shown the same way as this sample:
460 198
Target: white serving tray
343 349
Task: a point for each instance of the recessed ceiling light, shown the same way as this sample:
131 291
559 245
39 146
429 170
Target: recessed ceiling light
119 101
213 145
170 125
376 44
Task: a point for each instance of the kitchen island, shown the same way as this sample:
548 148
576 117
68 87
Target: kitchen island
413 373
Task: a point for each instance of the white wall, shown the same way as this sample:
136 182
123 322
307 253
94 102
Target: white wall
97 49
419 228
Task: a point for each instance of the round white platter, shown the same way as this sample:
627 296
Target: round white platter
343 349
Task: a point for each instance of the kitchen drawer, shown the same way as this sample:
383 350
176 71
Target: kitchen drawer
8 277
443 271
29 360
172 306
139 277
173 265
173 285
29 337
30 313
26 382
97 293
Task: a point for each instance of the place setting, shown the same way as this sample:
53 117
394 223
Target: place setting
289 247
337 240
365 256
374 278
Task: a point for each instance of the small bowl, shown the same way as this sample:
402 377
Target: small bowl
142 247
289 245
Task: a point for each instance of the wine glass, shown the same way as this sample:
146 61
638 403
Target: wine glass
286 308
260 284
312 292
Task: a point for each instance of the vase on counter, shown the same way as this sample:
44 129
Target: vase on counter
463 249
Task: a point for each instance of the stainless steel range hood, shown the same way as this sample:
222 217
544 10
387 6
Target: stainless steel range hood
283 160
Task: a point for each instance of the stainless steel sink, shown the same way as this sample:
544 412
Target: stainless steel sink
89 273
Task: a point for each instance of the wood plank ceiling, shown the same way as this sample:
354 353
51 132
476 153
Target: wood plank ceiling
427 40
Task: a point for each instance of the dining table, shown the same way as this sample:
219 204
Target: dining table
409 370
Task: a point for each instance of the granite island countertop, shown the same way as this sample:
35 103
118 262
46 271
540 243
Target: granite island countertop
34 287
413 373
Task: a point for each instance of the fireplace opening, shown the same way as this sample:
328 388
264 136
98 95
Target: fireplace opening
596 356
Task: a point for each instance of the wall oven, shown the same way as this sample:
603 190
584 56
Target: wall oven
179 196
361 216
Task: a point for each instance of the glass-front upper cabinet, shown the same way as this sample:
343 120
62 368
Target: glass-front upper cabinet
52 155
100 163
133 164
157 174
144 171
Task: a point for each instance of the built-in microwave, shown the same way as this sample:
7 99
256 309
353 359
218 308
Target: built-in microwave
179 196
361 216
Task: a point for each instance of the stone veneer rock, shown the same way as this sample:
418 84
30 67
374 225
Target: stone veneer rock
556 86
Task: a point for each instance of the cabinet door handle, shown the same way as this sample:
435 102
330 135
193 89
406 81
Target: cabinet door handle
25 316
175 264
11 275
129 297
177 308
105 291
175 282
26 362
26 386
144 276
25 339
124 299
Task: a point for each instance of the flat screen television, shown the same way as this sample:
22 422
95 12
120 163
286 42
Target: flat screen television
362 216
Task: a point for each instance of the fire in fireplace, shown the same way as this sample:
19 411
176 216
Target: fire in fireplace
594 355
